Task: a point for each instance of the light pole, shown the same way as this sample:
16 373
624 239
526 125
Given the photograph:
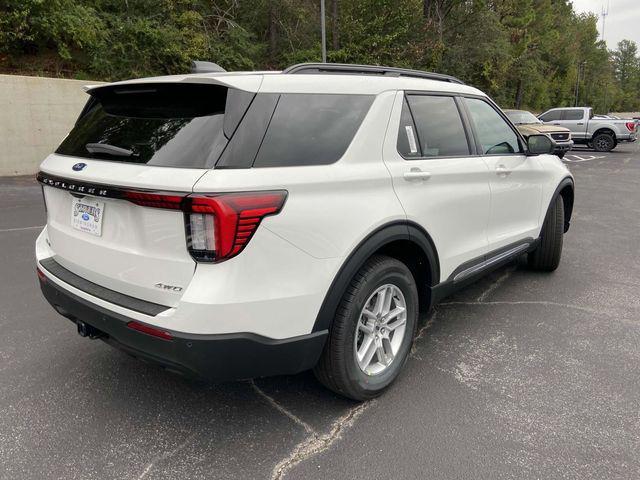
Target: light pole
324 32
580 69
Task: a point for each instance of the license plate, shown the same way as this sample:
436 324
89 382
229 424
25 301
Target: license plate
86 215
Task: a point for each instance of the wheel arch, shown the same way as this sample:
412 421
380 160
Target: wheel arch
607 131
404 240
566 189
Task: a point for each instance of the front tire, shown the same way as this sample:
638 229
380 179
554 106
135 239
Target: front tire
561 155
546 257
372 333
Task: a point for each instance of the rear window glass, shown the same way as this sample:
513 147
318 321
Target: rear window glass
311 129
172 125
573 114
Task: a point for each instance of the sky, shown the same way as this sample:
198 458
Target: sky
622 22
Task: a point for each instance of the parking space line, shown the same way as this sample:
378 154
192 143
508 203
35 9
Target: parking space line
578 158
19 229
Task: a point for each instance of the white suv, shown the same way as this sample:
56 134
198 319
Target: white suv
237 225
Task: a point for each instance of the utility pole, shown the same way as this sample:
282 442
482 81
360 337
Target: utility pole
606 84
324 32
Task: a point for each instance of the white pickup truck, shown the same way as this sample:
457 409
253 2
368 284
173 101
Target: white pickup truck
602 134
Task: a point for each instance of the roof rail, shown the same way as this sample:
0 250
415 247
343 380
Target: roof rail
347 69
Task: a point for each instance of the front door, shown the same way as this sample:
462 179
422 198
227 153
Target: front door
515 180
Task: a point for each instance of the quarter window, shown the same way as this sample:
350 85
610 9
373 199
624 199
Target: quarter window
493 133
437 131
311 129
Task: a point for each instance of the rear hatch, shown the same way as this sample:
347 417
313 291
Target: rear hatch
148 139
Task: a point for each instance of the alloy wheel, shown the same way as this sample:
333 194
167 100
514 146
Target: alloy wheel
380 330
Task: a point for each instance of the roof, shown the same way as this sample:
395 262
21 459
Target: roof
282 82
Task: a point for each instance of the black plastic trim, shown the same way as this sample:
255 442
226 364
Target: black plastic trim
483 258
209 357
95 290
451 285
568 204
386 234
94 189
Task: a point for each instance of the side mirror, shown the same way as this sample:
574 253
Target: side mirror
539 144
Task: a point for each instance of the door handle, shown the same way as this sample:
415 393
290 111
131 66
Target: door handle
416 174
580 124
554 123
502 171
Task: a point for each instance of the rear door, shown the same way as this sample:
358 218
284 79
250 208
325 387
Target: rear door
515 179
441 183
133 142
574 119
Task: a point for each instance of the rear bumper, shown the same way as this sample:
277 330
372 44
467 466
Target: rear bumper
209 357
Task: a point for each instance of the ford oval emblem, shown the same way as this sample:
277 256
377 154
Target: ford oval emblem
79 166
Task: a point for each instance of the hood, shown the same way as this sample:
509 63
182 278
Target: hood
531 128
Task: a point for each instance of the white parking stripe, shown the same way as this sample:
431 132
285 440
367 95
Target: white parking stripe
578 158
20 229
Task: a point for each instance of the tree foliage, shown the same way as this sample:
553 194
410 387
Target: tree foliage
525 53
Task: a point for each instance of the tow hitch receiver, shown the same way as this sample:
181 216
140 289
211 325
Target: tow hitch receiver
86 330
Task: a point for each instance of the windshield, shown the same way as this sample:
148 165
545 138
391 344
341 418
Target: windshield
521 117
175 125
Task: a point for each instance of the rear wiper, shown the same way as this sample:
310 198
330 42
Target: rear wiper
108 149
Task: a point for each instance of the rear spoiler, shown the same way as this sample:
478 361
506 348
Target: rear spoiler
248 83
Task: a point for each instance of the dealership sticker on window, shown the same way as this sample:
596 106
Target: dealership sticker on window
412 139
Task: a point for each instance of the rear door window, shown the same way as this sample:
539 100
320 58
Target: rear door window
311 129
573 115
172 125
440 132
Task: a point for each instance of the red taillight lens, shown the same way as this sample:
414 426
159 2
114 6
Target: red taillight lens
149 330
154 200
220 226
631 126
41 276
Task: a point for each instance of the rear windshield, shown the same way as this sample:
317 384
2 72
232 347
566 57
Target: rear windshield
171 125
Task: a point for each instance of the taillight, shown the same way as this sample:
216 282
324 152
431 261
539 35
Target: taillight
631 126
154 200
41 276
218 226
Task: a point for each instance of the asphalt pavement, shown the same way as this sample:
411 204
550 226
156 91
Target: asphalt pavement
521 375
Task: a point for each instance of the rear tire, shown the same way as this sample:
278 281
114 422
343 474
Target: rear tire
340 368
546 257
604 142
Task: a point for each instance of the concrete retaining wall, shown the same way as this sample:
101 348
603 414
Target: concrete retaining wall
35 115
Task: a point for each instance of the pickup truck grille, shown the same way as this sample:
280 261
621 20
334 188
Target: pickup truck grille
560 136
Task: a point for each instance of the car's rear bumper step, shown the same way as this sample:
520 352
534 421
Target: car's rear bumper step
209 357
95 290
